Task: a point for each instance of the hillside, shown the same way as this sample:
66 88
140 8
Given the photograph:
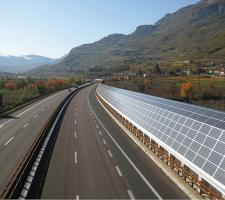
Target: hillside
17 64
193 32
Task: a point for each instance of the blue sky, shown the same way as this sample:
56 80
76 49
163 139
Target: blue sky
53 27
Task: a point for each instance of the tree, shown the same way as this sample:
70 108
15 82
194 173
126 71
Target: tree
20 84
157 69
10 84
186 90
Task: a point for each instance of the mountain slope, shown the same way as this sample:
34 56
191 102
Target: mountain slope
193 32
23 63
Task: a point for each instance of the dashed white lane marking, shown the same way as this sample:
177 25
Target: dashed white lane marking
75 157
100 133
75 114
97 127
30 109
118 171
9 141
110 154
94 121
75 122
75 134
130 195
104 141
35 116
77 197
25 125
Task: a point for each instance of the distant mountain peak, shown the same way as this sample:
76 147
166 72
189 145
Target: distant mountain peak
9 63
193 32
144 30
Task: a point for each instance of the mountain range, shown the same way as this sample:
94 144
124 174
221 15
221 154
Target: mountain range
16 64
195 32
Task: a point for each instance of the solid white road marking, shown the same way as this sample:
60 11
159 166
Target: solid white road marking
37 104
104 141
118 171
1 126
75 157
75 134
126 156
25 125
77 197
130 195
30 109
6 122
9 141
110 154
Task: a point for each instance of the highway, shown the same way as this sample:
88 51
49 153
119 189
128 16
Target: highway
19 130
94 158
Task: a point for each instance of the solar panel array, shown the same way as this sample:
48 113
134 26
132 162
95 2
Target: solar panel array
196 133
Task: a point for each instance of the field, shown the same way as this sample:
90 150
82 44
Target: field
206 91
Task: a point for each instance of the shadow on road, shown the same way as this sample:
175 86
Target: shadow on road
7 117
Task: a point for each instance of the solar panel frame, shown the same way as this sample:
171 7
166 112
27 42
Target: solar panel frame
153 115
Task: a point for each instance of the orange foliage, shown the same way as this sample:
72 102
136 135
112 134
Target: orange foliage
56 84
186 90
10 85
31 86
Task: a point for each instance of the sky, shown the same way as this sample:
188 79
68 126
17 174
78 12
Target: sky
53 27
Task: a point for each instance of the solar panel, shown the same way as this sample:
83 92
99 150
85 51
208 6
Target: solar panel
194 133
223 164
209 142
220 176
209 168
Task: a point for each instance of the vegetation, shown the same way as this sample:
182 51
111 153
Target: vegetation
15 92
208 92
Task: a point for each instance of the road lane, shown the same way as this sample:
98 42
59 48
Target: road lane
20 129
102 169
87 170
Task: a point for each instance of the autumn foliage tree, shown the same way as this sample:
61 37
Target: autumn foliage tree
10 84
187 90
52 85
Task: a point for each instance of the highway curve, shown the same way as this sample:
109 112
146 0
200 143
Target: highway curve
19 129
94 158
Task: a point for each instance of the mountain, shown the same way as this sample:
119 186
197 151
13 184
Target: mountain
193 32
17 64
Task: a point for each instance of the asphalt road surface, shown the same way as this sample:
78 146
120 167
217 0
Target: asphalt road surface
94 158
19 130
